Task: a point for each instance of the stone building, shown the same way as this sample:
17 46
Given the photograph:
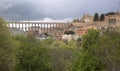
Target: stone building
81 31
87 19
87 22
113 20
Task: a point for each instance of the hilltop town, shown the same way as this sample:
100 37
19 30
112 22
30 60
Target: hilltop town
78 27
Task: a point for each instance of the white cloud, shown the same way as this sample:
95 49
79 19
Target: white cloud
4 5
48 19
57 20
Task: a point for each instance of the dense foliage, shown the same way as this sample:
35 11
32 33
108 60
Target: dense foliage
31 55
6 47
102 17
88 60
99 52
69 32
110 13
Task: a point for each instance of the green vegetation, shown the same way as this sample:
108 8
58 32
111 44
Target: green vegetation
6 47
96 17
88 60
31 55
69 32
102 17
90 39
76 20
94 52
99 52
110 13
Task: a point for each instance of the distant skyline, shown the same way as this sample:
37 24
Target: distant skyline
54 9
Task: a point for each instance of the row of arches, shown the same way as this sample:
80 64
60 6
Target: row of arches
44 27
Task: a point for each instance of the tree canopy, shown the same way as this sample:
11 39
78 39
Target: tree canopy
76 20
6 47
102 17
96 17
69 32
32 56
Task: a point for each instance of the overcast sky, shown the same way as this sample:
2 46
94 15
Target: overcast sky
54 9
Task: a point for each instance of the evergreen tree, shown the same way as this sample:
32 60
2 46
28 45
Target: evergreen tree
96 17
102 17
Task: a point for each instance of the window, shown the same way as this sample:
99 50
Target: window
111 21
